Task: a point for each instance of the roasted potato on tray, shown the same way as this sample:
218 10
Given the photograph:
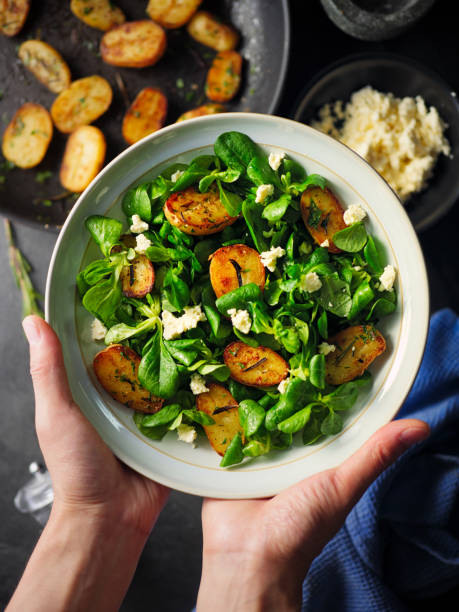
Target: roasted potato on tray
200 111
197 213
255 367
133 45
27 136
172 13
146 115
138 279
322 214
13 14
83 158
82 103
223 408
100 14
46 64
233 266
224 76
210 31
356 348
116 368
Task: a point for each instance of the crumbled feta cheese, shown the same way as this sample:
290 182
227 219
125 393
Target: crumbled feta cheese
269 258
240 320
186 433
138 226
263 192
98 330
356 268
282 386
198 384
177 174
175 326
387 279
325 348
275 159
354 214
325 244
310 282
142 243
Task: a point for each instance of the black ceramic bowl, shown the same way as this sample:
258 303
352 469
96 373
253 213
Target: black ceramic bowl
402 77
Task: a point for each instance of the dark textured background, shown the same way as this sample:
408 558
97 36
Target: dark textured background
168 575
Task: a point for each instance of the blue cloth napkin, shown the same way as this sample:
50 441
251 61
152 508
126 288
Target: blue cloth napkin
401 541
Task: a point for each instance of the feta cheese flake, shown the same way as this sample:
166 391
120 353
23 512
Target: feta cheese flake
263 192
198 384
175 326
240 319
387 279
325 244
275 159
282 386
325 348
177 174
142 243
138 226
269 258
354 214
186 433
310 282
98 330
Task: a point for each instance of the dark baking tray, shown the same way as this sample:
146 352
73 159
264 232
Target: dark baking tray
265 40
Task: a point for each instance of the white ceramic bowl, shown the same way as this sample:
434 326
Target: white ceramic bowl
196 470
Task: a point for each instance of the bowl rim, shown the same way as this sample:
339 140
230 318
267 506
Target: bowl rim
423 325
308 91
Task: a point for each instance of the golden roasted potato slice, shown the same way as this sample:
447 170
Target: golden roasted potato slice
46 64
82 103
116 368
146 115
224 76
133 45
13 14
83 158
197 213
210 31
100 14
172 13
234 266
138 279
356 348
200 111
223 408
255 367
27 136
322 214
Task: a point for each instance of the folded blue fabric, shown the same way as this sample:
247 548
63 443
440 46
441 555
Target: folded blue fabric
401 541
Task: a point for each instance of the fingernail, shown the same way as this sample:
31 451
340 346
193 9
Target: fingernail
31 330
412 435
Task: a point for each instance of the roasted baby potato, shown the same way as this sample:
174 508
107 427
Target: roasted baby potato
133 45
83 158
356 348
197 213
100 14
13 14
138 279
255 367
146 115
46 64
172 13
27 136
81 103
224 76
200 111
234 266
322 214
223 408
210 31
116 368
